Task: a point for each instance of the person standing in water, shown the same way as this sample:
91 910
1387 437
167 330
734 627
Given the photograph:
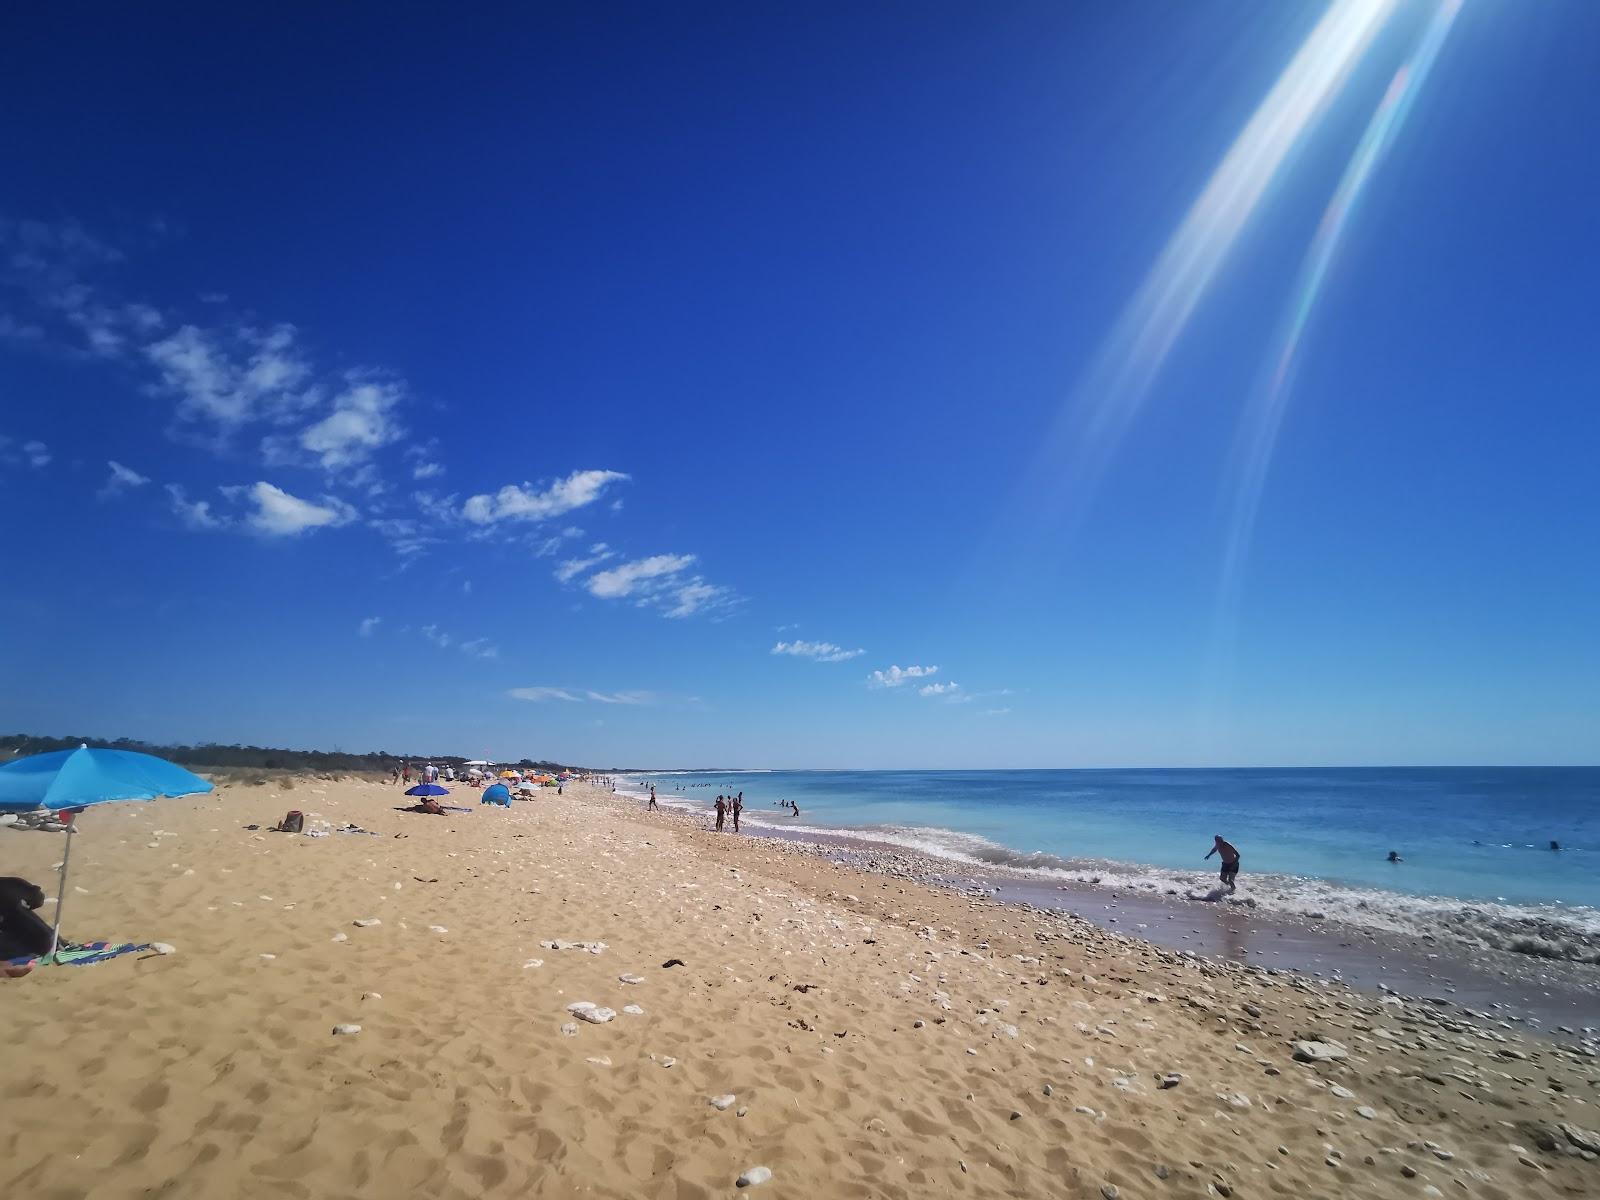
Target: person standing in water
1230 861
736 808
722 812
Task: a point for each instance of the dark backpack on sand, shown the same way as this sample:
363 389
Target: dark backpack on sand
294 822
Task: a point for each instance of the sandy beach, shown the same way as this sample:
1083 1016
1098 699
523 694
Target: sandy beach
854 1034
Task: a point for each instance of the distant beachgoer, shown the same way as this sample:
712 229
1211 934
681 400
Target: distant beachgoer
722 812
652 806
737 807
1554 845
795 807
406 774
1230 861
1394 856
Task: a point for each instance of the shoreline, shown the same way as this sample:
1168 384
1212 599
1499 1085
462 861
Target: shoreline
1560 999
1550 988
754 1003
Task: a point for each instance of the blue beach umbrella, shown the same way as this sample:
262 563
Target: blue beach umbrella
66 780
428 789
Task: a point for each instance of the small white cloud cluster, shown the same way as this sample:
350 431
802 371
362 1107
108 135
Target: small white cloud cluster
660 581
35 453
896 676
122 479
527 503
264 509
820 651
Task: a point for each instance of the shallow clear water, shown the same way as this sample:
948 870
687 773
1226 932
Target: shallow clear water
1308 838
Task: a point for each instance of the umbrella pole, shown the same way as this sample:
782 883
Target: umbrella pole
61 894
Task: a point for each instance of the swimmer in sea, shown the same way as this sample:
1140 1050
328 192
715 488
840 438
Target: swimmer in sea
1394 856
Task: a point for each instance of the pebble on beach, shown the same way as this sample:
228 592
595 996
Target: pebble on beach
753 1176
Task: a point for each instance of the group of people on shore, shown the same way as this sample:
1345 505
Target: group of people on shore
728 808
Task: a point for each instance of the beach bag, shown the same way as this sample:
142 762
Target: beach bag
293 822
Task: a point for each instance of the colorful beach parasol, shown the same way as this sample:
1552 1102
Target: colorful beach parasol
68 781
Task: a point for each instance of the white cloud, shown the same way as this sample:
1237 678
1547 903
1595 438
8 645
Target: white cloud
895 676
686 599
38 453
229 382
122 478
995 712
195 514
441 640
278 514
369 625
362 421
939 689
538 694
579 695
656 582
427 470
630 577
512 503
573 567
821 651
406 537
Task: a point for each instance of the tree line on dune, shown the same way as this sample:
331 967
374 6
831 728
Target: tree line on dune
265 758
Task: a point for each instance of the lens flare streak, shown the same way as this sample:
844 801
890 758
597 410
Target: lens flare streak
1263 419
1118 380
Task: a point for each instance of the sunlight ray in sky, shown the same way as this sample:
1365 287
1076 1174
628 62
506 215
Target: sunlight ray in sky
1259 426
1123 370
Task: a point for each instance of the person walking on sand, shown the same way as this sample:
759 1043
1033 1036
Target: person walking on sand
1230 861
652 806
722 811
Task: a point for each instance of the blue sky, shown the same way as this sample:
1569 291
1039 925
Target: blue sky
520 383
